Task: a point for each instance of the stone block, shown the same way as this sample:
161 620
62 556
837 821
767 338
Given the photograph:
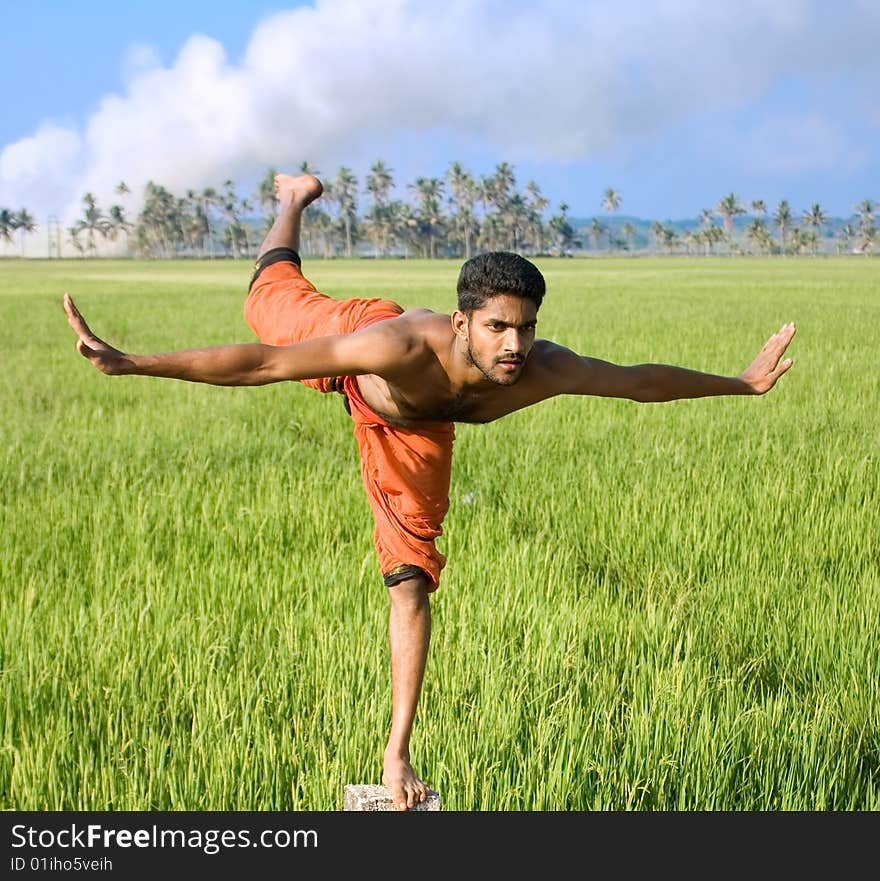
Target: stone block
370 797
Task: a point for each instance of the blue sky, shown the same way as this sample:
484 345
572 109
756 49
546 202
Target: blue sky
675 104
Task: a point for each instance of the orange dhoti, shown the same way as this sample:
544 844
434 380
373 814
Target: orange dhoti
405 472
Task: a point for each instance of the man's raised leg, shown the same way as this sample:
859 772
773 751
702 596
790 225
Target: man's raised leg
293 193
409 633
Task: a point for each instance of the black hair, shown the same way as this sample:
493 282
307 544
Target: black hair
498 272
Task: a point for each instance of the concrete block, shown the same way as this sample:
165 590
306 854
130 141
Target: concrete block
369 797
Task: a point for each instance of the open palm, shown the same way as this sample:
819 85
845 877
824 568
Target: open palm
762 373
102 355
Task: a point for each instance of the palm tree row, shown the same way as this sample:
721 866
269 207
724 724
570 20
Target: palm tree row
790 238
453 215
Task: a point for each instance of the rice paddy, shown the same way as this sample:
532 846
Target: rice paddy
646 607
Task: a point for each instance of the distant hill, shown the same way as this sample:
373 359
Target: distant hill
642 238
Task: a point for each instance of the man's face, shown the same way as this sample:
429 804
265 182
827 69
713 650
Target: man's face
500 336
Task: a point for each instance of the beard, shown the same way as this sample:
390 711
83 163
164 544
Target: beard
488 369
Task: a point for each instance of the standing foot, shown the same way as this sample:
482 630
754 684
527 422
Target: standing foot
301 188
401 781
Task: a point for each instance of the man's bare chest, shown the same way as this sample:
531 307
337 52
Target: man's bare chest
408 404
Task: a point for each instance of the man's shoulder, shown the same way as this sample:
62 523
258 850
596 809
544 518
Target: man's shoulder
412 336
423 316
550 355
424 326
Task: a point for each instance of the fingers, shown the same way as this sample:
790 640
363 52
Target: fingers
783 367
74 318
773 349
785 335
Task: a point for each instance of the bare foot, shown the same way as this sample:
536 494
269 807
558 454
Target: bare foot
406 789
302 188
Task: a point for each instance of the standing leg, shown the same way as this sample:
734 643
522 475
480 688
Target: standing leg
294 193
409 633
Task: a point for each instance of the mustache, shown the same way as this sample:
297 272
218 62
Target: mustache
512 359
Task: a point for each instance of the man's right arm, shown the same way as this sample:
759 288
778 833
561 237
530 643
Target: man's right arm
378 349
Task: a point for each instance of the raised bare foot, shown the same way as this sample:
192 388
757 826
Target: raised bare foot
302 188
399 778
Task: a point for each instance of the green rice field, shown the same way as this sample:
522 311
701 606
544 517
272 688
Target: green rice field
646 607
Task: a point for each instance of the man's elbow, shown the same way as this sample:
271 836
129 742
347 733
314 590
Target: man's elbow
645 388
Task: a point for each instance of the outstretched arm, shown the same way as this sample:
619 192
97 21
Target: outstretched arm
664 382
378 349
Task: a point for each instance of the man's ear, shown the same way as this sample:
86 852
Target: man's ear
460 324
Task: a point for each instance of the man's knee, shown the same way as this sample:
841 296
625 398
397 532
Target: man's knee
412 592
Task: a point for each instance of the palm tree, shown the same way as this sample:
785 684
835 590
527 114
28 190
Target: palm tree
537 204
597 229
865 211
611 200
782 217
463 195
815 218
24 223
210 199
517 220
501 183
759 207
846 234
265 196
670 239
867 240
117 222
800 241
759 235
658 232
344 192
563 229
429 192
236 209
406 227
93 221
690 240
380 181
7 225
160 224
629 235
710 236
728 208
495 194
73 232
378 185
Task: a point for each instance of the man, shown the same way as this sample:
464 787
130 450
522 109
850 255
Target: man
407 377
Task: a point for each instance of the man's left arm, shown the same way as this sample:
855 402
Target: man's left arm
579 375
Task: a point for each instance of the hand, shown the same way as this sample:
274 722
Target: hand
103 356
762 373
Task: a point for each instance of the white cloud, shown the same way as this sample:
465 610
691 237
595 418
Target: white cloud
545 81
34 170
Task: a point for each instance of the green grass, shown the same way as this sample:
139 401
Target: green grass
647 606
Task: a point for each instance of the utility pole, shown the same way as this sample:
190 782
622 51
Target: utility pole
53 227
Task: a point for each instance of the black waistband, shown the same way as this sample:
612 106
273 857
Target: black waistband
402 573
275 255
335 384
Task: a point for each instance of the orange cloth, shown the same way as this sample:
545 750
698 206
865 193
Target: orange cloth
405 472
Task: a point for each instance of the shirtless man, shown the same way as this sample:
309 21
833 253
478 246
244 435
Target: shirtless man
407 377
